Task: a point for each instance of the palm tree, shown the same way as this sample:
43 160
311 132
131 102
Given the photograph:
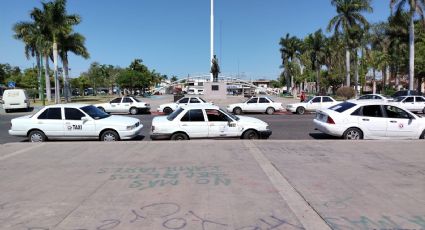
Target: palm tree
290 49
70 43
315 46
53 21
348 16
415 7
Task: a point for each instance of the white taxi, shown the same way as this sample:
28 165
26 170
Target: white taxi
74 121
207 121
130 105
255 104
317 102
170 107
411 103
369 120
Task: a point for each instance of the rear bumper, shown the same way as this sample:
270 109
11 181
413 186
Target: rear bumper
160 136
265 134
330 129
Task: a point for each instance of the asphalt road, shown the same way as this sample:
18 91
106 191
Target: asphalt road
284 126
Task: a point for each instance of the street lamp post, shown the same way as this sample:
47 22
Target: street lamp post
211 37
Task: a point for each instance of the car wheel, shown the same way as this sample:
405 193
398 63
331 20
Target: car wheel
134 111
301 110
237 110
167 110
270 111
423 111
422 135
250 134
36 136
101 108
109 135
353 134
6 110
179 137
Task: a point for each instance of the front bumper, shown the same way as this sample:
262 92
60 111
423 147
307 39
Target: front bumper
160 136
265 134
20 133
126 135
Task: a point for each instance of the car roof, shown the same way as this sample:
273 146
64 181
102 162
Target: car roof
200 106
70 105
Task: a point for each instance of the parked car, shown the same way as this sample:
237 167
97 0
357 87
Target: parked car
376 97
317 102
406 93
207 121
170 107
15 99
369 120
260 104
130 105
411 103
74 121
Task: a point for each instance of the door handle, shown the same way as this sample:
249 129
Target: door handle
393 121
184 125
364 119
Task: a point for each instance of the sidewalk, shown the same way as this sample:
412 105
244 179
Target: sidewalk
233 185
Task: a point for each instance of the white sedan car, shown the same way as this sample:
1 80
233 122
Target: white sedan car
371 120
255 104
74 121
317 102
170 107
207 121
411 103
130 105
375 97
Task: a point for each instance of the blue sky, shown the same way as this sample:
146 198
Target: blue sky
173 36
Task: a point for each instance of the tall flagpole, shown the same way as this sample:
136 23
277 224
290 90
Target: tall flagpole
212 36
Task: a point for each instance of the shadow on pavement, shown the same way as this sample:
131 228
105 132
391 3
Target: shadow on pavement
322 136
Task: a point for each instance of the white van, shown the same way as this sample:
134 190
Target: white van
15 99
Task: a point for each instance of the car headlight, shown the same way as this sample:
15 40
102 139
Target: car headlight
267 127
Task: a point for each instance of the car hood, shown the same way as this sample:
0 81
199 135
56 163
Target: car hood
236 104
245 119
297 104
118 120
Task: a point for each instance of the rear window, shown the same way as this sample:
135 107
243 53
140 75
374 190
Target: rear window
341 107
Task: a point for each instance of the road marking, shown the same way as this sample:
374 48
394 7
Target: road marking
33 146
307 216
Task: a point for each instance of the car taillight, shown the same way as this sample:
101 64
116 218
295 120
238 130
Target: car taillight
153 128
330 120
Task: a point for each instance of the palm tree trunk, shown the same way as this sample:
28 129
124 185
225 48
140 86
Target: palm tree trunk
47 79
387 71
55 72
347 66
317 79
356 74
374 82
66 89
40 92
411 52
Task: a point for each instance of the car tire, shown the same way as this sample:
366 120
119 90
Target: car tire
237 111
101 108
423 111
250 134
6 110
36 136
167 110
422 136
270 110
109 135
134 111
353 134
301 110
179 137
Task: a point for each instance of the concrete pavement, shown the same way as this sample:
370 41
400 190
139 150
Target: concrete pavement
249 185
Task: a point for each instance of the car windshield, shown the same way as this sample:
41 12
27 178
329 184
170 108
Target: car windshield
234 117
174 114
94 112
341 107
136 100
399 99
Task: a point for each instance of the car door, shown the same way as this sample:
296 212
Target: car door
125 105
409 103
194 124
420 103
114 105
314 104
400 124
327 102
220 125
251 105
263 104
75 126
50 122
372 121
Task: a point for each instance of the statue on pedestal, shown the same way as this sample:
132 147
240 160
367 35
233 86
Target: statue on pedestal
215 69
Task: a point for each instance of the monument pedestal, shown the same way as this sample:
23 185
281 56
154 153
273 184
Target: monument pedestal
215 90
